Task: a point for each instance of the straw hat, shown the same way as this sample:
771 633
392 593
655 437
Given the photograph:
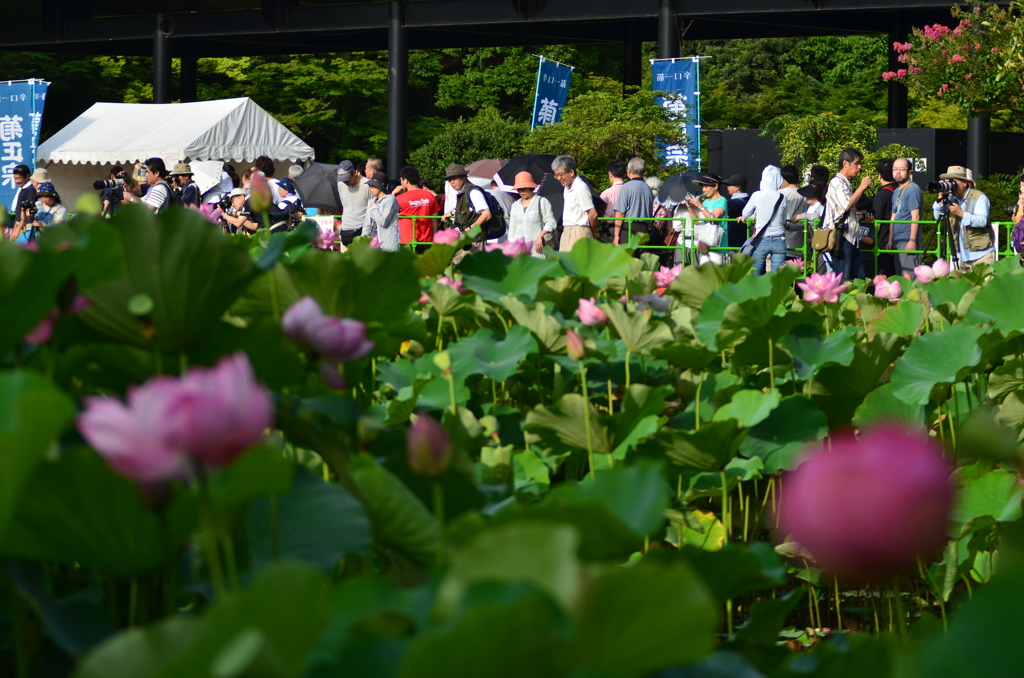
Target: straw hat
524 180
41 175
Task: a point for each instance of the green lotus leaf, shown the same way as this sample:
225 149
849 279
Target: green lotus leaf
936 358
597 261
810 352
481 353
493 275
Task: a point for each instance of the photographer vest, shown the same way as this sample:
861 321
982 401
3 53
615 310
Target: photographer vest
976 238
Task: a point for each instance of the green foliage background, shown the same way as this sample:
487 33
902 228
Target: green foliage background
470 103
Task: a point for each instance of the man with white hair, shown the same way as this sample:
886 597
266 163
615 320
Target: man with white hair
635 201
295 171
579 217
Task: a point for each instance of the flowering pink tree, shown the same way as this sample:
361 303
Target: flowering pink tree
970 65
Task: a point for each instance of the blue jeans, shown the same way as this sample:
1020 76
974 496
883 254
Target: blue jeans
851 265
773 246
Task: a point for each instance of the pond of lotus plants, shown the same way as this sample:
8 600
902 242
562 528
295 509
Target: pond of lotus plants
234 457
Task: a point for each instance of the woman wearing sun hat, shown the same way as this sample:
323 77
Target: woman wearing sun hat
703 210
531 217
49 211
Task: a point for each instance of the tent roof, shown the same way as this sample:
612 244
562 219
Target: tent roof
224 129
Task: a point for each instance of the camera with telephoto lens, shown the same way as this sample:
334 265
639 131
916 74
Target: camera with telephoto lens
944 186
1009 210
30 209
107 183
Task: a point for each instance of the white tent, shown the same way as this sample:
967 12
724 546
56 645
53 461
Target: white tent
229 130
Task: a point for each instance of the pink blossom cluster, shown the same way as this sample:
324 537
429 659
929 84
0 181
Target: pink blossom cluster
936 31
956 59
902 47
170 425
887 290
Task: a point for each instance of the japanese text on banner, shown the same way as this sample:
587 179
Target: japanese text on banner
552 92
680 78
21 112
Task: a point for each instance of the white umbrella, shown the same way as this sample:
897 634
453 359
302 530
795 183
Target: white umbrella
206 173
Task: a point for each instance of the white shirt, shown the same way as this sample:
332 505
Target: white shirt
354 200
578 203
157 195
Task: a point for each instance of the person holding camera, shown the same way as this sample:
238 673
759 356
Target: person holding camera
968 213
25 193
181 180
47 212
238 216
158 197
841 213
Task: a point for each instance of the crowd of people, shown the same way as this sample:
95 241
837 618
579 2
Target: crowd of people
718 217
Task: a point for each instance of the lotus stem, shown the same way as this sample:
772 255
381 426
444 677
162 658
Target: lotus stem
586 423
771 362
210 538
726 523
839 612
628 355
697 402
897 596
275 306
438 493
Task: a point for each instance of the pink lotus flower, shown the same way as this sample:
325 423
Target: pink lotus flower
334 340
665 276
429 447
926 274
823 288
207 417
41 333
940 268
888 290
448 236
209 211
589 314
798 262
424 299
870 507
516 248
375 242
259 193
454 284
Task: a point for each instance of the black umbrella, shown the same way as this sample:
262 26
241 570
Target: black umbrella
677 187
318 187
534 163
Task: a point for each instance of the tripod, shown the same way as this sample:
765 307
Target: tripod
943 226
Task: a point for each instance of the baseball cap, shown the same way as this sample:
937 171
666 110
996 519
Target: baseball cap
737 180
345 169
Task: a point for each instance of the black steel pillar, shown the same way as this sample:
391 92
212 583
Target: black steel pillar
162 60
632 65
189 72
668 31
398 86
978 144
898 32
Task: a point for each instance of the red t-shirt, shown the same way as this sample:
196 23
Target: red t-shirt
419 202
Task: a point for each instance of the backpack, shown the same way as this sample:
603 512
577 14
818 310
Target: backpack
173 195
494 227
1017 238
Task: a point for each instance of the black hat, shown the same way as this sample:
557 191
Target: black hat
810 191
379 180
737 180
708 179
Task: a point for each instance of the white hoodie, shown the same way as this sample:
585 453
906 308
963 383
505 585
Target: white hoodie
763 202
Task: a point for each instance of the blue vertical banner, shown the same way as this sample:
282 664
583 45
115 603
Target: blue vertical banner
21 112
552 92
680 78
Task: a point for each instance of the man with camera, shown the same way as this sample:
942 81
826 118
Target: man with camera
181 181
841 214
237 214
24 195
967 210
158 197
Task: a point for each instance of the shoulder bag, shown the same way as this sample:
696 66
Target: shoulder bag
751 244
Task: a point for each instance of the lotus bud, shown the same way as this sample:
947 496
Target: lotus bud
940 268
429 447
259 192
574 347
924 274
870 507
589 314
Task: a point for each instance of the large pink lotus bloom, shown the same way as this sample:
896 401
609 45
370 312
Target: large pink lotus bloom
665 276
870 507
375 242
207 417
133 438
448 236
924 274
516 248
798 262
429 447
823 288
589 314
219 413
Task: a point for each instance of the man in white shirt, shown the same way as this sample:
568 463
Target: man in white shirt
579 218
355 196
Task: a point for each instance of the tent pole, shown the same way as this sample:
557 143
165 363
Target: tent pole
162 60
398 84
